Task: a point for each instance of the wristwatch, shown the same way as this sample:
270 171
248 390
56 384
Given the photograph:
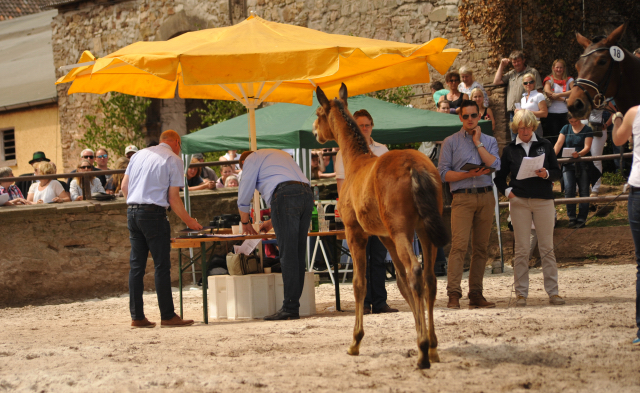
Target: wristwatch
615 116
479 145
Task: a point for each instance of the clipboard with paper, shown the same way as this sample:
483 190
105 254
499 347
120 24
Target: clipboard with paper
470 167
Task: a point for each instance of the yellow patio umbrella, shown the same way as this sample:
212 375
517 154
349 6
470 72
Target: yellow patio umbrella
257 61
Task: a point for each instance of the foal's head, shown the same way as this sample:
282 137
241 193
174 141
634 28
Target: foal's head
597 73
334 119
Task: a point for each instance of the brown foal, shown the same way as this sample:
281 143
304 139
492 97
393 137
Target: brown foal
392 196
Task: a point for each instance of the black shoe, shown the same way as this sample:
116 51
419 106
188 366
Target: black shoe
282 315
366 310
580 224
572 224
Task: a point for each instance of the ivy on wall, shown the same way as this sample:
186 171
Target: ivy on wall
548 26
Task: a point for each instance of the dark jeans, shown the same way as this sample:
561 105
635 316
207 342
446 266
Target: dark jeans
552 126
633 211
570 181
149 230
376 274
291 207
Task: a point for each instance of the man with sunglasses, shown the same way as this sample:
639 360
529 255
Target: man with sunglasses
102 160
88 154
473 203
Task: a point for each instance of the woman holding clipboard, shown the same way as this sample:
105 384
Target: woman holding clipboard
530 199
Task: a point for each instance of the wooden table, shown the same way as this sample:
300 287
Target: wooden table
201 243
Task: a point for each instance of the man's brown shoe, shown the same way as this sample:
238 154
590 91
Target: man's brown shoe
142 323
176 321
476 300
454 301
366 310
385 309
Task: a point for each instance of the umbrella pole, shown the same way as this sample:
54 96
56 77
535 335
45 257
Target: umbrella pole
254 146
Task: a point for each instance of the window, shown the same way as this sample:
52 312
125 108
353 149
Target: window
8 146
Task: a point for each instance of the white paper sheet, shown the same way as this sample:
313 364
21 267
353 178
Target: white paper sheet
4 198
568 151
247 246
529 167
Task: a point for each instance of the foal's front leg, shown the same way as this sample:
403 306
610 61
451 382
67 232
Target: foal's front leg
357 240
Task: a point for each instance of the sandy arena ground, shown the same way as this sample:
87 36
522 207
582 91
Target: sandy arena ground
582 346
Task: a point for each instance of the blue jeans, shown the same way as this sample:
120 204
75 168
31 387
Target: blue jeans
376 274
149 231
291 208
570 181
633 211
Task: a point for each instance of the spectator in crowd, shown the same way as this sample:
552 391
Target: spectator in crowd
89 155
625 127
206 172
194 181
114 185
225 171
317 166
232 181
153 143
438 90
327 160
25 185
444 106
47 190
455 97
557 87
376 298
468 85
578 136
515 87
473 203
533 101
76 184
102 162
130 151
530 200
7 187
598 124
232 155
485 112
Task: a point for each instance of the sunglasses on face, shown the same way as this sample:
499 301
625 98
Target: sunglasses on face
85 167
473 116
102 156
454 80
89 157
528 83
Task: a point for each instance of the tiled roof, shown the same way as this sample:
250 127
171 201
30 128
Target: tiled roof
10 9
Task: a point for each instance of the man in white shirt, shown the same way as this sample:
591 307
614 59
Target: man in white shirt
151 185
376 298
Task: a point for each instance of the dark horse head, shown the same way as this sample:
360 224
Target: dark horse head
599 74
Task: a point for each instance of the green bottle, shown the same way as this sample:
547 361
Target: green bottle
314 219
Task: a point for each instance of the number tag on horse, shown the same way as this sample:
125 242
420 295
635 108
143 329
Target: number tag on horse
616 53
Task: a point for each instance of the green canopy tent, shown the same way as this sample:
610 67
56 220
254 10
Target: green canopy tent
288 126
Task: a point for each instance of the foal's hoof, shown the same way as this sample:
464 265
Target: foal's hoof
424 364
433 355
353 351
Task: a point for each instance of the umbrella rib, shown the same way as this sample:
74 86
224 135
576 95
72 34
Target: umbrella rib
275 86
313 83
244 93
260 89
234 95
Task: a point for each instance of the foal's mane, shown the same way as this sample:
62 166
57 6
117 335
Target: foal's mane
360 144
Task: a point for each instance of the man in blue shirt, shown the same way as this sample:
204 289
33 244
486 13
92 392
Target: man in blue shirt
287 191
473 203
151 185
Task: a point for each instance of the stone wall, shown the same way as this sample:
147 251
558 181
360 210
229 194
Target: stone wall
80 250
105 27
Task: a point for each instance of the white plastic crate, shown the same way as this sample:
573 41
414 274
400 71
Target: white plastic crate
308 298
217 297
250 296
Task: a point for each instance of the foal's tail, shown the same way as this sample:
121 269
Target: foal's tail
425 197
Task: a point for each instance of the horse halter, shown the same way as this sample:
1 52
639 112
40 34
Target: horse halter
599 100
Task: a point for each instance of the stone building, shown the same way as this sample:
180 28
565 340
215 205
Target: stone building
105 26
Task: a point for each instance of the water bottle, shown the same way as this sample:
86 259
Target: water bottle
316 193
314 219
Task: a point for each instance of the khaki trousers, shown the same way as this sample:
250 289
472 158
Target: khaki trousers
542 213
471 215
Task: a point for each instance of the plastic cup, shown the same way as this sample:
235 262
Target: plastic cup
267 270
235 229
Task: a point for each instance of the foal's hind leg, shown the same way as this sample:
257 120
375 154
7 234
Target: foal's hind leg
415 289
357 240
428 258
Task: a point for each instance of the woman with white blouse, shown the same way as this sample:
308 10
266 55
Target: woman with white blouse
47 190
